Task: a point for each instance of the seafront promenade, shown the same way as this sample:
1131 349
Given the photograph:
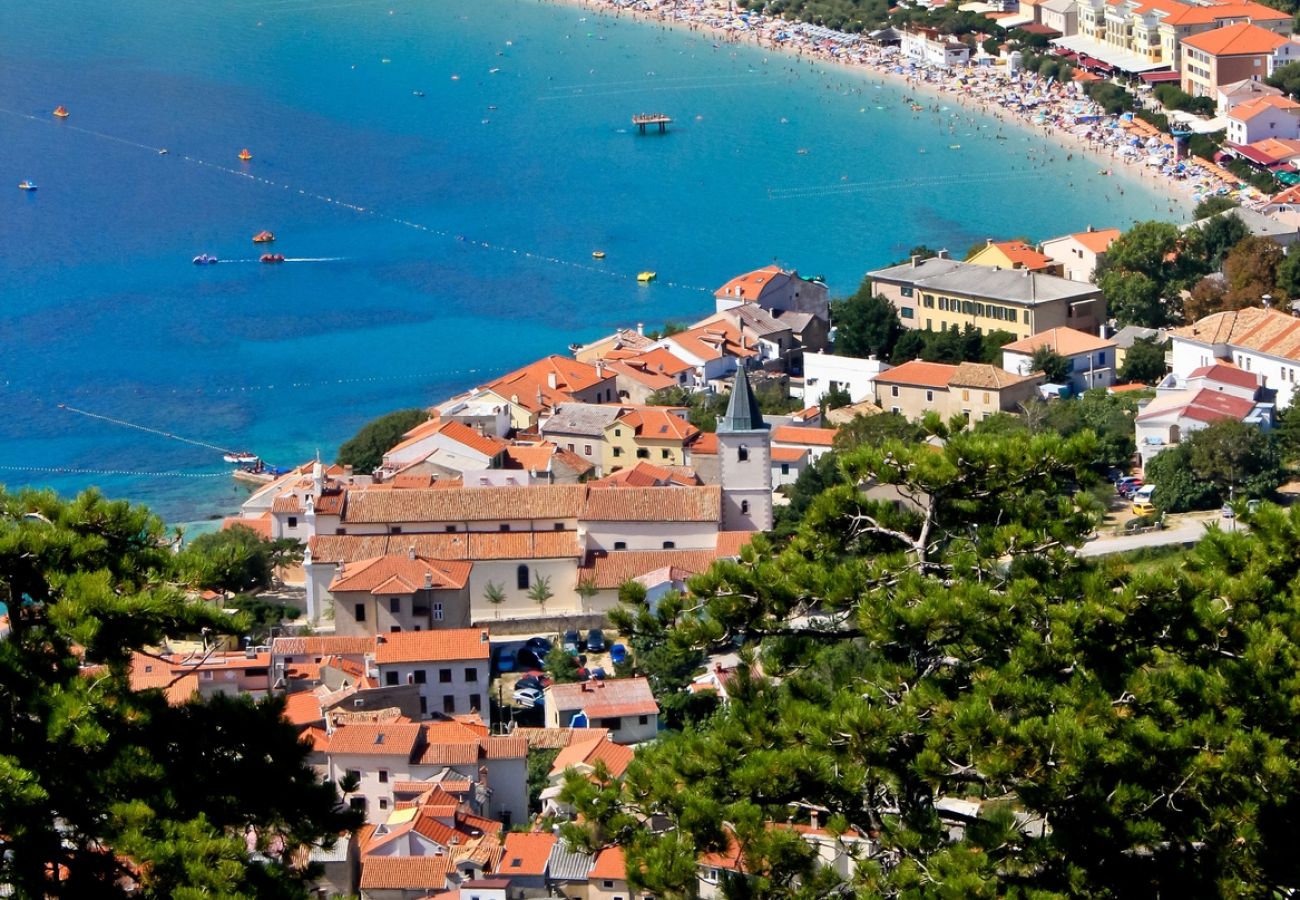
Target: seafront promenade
1059 113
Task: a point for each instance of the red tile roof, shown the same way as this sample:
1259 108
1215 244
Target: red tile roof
730 542
474 546
404 873
389 739
441 645
789 454
919 374
526 854
750 286
714 340
303 708
803 436
1264 330
524 386
1020 254
655 504
464 504
616 757
704 444
656 423
609 865
1244 112
1098 240
609 570
1064 341
322 646
1242 39
400 573
645 474
609 698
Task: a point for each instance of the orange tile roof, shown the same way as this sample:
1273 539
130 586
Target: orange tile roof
654 504
705 444
404 873
918 373
1022 255
1264 330
750 285
321 646
789 454
390 739
524 386
609 570
464 504
609 865
730 542
440 645
803 436
656 423
616 757
1277 148
1122 388
714 340
660 360
1242 39
261 525
401 573
1062 340
303 708
1187 14
472 546
1097 240
526 854
601 699
655 381
986 377
645 474
146 673
1244 112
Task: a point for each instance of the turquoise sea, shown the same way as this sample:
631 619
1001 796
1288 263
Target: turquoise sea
449 235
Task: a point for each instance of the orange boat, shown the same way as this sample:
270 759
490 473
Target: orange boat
61 112
243 154
263 237
272 257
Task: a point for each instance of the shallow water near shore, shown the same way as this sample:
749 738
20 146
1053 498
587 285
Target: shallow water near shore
433 240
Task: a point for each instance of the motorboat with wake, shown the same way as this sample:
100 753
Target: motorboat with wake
26 185
272 257
205 259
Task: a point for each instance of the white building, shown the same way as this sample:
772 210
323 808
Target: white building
1091 359
825 372
1264 117
450 667
745 462
1079 254
1209 394
1262 341
929 47
625 706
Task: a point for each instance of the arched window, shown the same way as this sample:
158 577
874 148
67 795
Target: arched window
742 453
521 578
744 507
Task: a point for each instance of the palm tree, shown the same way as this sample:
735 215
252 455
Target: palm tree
541 591
496 595
586 590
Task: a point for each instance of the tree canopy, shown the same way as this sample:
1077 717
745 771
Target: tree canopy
104 787
1144 361
365 450
865 325
1123 734
1224 460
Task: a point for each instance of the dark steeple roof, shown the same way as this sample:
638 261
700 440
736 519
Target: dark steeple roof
742 411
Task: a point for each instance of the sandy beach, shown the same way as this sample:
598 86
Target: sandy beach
1060 114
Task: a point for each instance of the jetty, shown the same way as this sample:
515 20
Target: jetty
641 120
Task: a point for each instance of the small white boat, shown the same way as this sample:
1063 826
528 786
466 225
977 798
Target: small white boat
27 185
243 458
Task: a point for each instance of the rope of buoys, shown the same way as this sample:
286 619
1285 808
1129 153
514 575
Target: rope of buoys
70 470
145 428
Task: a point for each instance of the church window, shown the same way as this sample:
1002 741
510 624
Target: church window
742 453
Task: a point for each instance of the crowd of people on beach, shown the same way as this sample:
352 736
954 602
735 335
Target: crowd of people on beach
1061 112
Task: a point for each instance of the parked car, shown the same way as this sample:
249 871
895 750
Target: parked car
536 682
572 642
539 645
1228 512
1144 508
598 673
595 641
504 660
1127 485
527 659
527 697
618 654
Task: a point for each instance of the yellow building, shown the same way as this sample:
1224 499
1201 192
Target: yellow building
652 433
1013 255
938 294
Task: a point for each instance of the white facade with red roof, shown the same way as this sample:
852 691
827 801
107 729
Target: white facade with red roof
625 706
775 290
450 668
1264 342
1078 255
1208 394
1091 358
1264 117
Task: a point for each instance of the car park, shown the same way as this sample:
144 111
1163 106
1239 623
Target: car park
539 645
595 641
536 682
572 642
526 659
503 659
618 654
527 697
1144 508
1127 485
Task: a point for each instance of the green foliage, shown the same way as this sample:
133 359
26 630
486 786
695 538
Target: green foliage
1206 145
1213 204
669 665
1144 362
1159 120
1286 434
540 590
865 325
540 761
234 559
562 667
959 649
1054 366
836 398
1149 262
365 451
1206 467
1175 98
263 615
950 345
875 431
1286 78
1109 96
703 408
93 772
1288 277
1107 417
1219 235
494 593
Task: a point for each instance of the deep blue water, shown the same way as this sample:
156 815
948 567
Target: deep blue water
103 311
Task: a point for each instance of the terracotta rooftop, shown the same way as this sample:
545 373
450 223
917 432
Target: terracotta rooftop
1263 330
608 698
654 504
1244 112
609 865
750 286
1064 341
918 374
439 645
524 386
321 646
1205 405
303 708
465 504
987 377
616 757
714 340
404 873
646 474
1227 374
1242 39
401 573
656 423
789 454
472 546
390 739
803 436
704 444
609 570
526 854
1020 255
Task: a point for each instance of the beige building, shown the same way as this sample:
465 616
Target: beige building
937 294
1078 255
656 434
975 390
1231 54
624 706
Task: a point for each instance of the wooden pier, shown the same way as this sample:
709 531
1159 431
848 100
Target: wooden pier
644 119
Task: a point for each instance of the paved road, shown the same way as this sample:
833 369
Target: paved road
1186 531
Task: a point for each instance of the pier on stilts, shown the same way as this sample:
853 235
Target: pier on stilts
641 120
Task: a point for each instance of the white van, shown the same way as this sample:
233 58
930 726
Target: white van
1143 494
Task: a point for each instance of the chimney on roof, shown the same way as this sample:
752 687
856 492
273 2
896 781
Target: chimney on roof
916 261
600 368
428 581
1090 230
410 552
942 254
640 328
988 242
483 636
